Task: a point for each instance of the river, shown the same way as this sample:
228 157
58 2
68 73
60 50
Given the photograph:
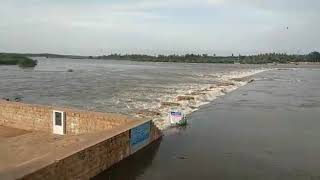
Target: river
126 87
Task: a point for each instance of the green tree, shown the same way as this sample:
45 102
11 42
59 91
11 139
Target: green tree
313 57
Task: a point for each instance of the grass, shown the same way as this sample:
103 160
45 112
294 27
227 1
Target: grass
183 124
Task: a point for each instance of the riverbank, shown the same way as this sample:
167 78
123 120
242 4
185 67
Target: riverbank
267 130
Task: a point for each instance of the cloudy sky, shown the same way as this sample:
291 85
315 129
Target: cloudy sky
95 27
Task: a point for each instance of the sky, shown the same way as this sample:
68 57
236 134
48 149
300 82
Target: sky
222 27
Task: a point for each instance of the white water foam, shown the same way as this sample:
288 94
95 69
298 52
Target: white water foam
199 94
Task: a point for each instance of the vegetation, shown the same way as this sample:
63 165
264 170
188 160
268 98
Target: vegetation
15 59
204 58
46 55
188 58
313 57
270 58
280 58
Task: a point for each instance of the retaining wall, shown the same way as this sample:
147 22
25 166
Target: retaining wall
38 117
94 159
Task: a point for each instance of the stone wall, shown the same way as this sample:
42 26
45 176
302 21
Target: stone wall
92 160
38 117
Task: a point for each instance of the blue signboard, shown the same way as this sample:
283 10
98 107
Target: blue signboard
139 137
173 113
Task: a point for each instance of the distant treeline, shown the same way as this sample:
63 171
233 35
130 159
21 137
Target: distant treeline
47 55
16 59
196 58
204 58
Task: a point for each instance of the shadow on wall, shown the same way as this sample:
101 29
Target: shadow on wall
133 166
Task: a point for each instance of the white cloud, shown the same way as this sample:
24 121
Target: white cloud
158 26
216 2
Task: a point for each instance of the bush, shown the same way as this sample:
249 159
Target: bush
22 61
313 57
27 62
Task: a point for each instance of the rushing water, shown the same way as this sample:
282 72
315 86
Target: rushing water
112 86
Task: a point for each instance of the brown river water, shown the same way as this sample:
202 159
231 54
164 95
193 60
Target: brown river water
131 88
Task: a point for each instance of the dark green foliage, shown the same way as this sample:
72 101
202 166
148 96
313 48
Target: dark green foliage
270 58
14 59
27 63
188 58
204 58
313 57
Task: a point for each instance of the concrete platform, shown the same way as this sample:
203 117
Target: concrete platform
25 152
7 132
92 143
20 147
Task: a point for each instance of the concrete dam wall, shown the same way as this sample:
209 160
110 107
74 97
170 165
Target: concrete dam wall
93 142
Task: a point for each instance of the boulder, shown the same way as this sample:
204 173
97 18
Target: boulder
169 104
185 98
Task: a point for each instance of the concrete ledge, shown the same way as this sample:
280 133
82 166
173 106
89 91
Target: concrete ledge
38 117
76 156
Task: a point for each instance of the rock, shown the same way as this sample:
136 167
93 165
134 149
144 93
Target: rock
17 99
224 91
170 104
185 98
251 80
225 83
213 86
14 99
197 92
182 157
239 79
148 113
244 79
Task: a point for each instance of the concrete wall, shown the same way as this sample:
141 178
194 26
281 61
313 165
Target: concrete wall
94 159
105 140
37 117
